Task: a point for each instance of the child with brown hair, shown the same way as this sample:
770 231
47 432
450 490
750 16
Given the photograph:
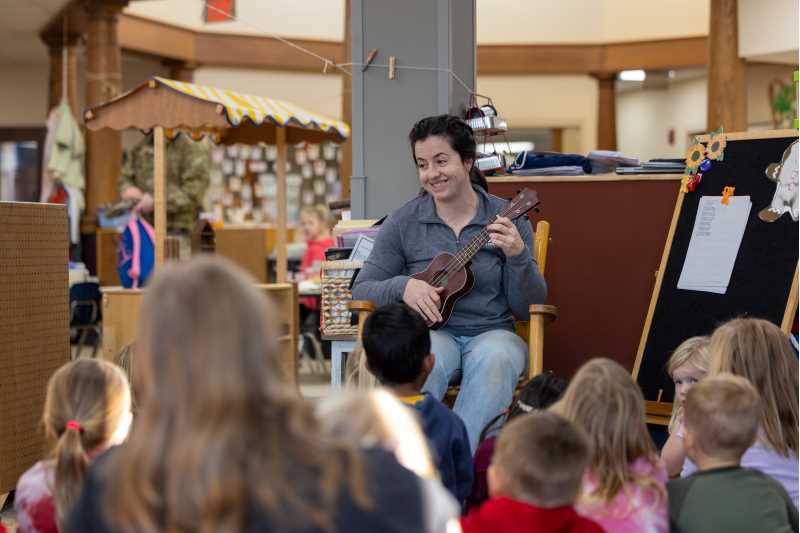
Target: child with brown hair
624 487
721 419
760 352
534 479
222 440
87 410
687 366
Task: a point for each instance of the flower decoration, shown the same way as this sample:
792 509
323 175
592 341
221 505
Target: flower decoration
716 146
695 155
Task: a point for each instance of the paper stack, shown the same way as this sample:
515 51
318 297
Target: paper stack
714 245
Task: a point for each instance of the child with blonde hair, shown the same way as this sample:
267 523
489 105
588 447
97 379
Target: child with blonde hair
687 366
624 487
760 352
375 418
87 410
722 418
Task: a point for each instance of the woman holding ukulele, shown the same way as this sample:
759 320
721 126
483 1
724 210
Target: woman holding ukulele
477 345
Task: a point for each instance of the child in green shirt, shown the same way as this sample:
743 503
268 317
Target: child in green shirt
721 417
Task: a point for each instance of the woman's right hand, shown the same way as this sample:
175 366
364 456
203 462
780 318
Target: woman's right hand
424 299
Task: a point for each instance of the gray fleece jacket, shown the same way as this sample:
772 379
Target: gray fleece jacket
412 235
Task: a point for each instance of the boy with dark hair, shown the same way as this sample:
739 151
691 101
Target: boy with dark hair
534 479
721 418
397 346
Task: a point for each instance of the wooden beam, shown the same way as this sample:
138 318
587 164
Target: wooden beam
159 192
147 36
281 269
254 51
727 99
103 82
506 59
225 49
663 54
606 112
56 45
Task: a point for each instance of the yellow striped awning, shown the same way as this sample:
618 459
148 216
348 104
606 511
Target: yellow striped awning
228 116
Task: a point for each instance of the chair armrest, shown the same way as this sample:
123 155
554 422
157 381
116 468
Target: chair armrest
549 312
361 305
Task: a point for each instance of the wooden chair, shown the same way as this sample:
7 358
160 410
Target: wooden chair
531 330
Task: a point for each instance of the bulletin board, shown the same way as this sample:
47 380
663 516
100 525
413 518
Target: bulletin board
34 326
763 283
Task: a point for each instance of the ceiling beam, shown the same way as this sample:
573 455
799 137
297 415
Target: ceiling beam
147 36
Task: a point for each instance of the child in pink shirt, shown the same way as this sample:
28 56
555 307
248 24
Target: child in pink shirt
624 489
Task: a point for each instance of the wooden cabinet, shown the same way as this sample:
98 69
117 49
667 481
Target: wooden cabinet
121 321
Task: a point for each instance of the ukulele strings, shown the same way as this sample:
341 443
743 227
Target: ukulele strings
461 258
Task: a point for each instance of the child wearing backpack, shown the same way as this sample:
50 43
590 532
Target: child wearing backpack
87 410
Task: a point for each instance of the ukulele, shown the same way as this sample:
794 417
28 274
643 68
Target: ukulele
452 271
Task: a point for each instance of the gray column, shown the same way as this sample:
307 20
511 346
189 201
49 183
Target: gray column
427 33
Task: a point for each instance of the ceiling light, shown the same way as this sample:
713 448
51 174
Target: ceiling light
632 75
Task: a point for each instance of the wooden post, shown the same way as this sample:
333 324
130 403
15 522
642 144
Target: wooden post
606 111
56 43
727 102
280 245
346 168
159 192
103 82
180 70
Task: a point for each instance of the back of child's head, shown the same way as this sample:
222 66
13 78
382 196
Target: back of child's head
540 392
376 418
760 352
692 352
722 416
603 401
540 459
87 408
396 342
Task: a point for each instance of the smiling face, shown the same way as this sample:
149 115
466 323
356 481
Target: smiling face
442 173
684 377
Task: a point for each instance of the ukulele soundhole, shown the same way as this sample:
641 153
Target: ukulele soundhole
443 278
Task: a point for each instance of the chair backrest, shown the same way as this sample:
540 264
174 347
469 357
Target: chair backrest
540 244
84 301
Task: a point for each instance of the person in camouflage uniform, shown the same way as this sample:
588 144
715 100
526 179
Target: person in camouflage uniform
187 179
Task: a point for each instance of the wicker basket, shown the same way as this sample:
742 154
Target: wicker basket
336 276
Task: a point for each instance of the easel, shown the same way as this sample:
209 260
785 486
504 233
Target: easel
743 166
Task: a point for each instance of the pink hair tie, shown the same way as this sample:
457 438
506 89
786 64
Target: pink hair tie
72 424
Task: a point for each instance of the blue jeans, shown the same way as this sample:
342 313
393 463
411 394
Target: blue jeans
488 366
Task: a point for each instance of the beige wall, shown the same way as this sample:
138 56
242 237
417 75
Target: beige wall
321 93
589 21
309 19
644 117
768 27
23 95
547 102
499 21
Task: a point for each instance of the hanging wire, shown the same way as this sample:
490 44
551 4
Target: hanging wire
327 63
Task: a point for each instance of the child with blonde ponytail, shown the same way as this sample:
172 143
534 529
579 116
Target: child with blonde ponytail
86 411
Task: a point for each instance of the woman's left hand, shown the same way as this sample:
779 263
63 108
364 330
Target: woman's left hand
503 234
